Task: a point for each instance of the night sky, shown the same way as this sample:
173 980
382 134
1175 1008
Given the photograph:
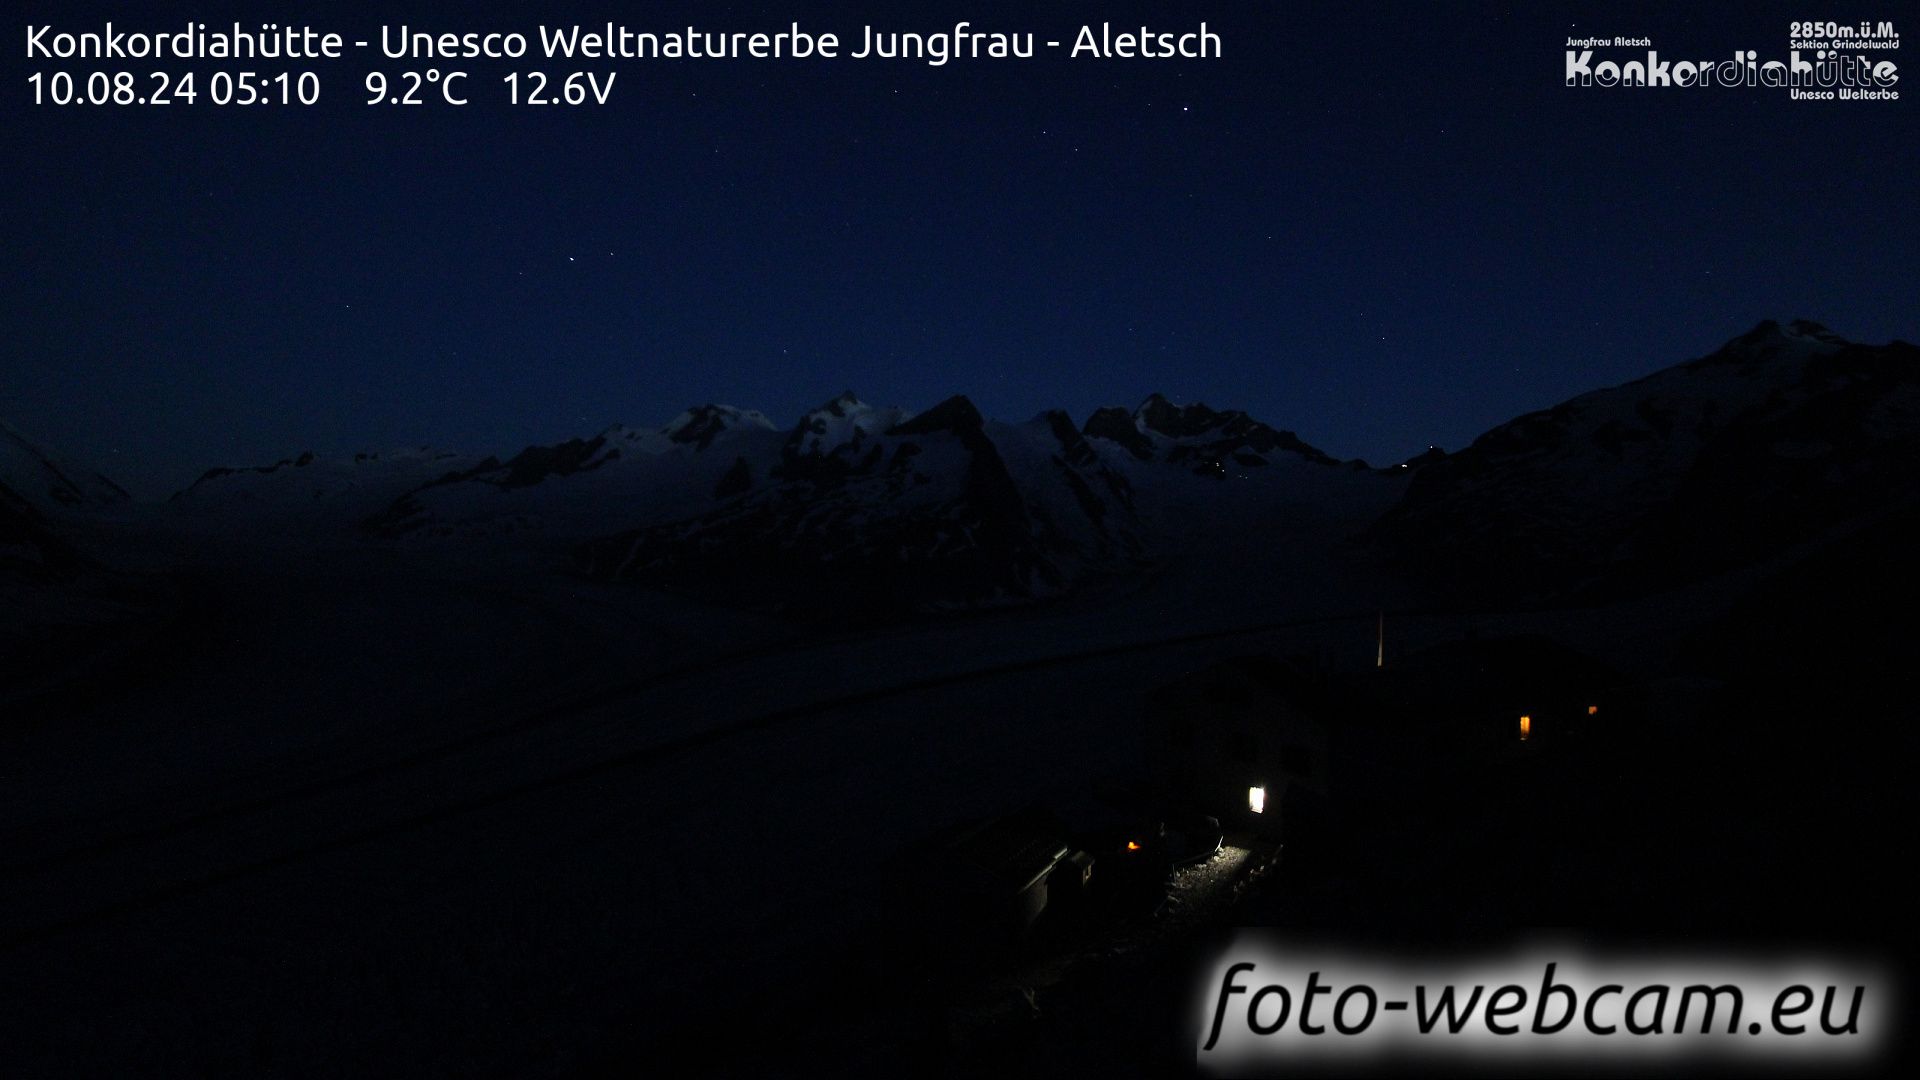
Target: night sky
1383 226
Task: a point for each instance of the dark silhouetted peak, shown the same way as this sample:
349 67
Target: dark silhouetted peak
1118 425
536 463
700 425
1175 421
845 405
1073 446
1209 437
956 414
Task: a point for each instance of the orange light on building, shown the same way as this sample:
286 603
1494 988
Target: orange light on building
1592 709
1526 727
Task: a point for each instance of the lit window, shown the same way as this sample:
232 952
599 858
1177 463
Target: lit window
1592 709
1526 727
1257 799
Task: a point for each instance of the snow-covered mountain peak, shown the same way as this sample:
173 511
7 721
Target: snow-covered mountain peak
885 509
842 424
1160 415
702 424
1196 435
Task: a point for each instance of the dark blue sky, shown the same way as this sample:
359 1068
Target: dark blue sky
1383 226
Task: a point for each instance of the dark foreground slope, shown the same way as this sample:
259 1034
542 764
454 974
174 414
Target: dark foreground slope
1782 436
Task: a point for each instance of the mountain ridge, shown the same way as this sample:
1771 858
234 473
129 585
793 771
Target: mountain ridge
1776 435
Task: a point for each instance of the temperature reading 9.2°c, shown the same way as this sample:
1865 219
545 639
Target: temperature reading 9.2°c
523 88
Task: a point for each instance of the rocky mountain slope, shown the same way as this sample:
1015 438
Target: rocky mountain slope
1780 436
865 507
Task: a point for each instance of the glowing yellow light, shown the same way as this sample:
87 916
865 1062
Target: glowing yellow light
1133 845
1526 727
1257 799
1592 709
